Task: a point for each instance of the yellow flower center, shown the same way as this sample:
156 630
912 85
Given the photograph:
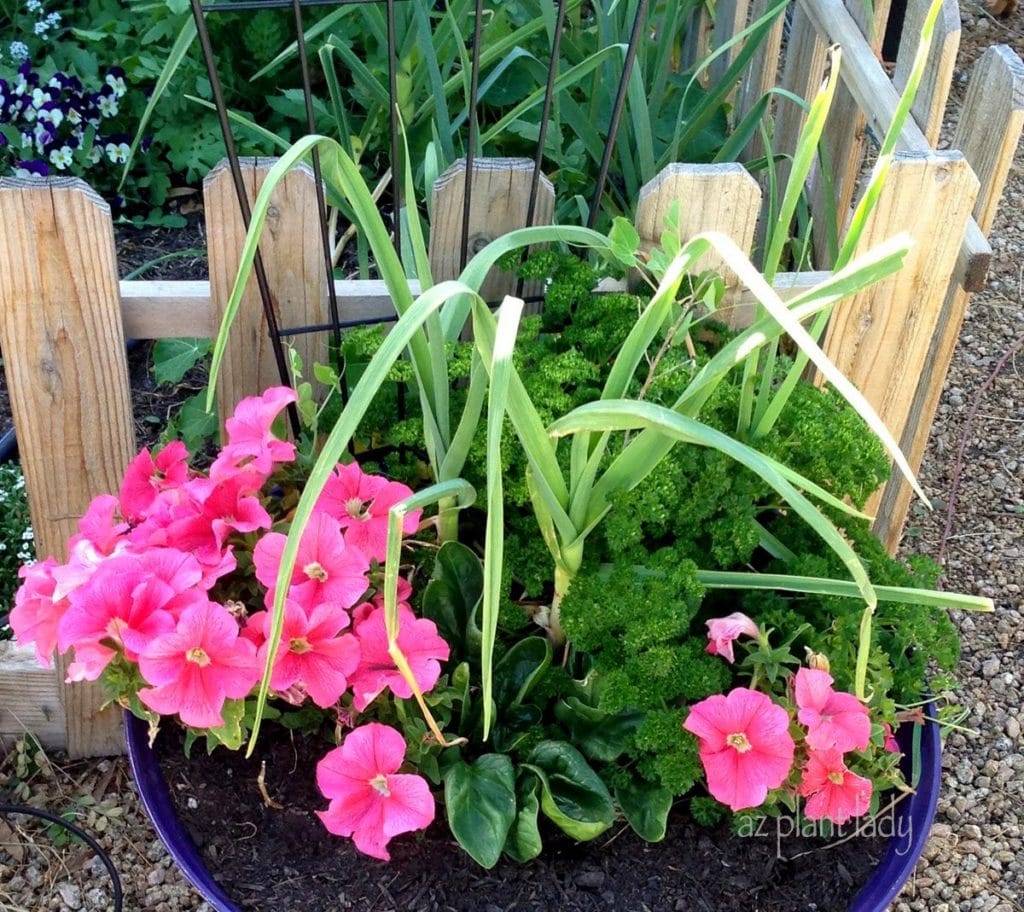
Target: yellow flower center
836 777
299 645
315 571
380 783
357 509
198 655
739 741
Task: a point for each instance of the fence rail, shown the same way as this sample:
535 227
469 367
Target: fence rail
64 314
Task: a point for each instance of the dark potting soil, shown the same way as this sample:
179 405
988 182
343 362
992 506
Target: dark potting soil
283 860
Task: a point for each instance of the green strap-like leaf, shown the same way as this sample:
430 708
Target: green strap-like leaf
621 475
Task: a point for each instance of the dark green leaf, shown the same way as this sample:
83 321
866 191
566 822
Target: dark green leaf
451 597
645 807
600 735
519 670
524 842
173 358
573 796
480 801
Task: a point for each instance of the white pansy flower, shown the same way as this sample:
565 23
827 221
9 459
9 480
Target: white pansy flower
108 105
61 158
117 152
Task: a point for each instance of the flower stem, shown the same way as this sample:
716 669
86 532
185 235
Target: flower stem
398 657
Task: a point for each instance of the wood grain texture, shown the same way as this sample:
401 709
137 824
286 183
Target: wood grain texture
880 339
697 41
293 256
844 136
878 99
761 75
30 699
723 198
930 104
730 19
802 74
63 345
995 97
169 309
500 191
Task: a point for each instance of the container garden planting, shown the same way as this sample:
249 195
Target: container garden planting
530 638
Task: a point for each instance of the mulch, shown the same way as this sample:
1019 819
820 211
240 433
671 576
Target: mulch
283 860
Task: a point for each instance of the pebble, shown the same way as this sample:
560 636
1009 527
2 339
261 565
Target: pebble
590 880
71 895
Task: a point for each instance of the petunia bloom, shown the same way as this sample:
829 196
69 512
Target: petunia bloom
722 632
251 443
36 613
326 569
419 641
833 719
891 744
369 800
360 503
198 666
745 745
832 791
121 608
311 653
147 476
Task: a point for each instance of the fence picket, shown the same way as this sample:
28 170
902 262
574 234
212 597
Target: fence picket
988 133
844 137
802 75
63 345
880 338
293 257
930 103
500 200
723 198
761 75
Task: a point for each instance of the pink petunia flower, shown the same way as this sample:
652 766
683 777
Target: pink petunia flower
36 613
745 745
418 639
147 476
833 792
722 632
360 504
891 744
327 570
369 800
311 653
99 526
833 719
119 608
198 666
251 442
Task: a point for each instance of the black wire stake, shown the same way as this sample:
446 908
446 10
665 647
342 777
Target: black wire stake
25 810
243 204
474 88
396 168
321 201
620 101
542 137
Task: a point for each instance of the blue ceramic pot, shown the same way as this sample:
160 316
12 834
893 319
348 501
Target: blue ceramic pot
910 825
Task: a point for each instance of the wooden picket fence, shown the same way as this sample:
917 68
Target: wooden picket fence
64 314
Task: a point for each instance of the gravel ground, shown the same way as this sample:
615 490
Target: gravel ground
975 859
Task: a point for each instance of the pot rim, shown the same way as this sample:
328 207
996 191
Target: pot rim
912 820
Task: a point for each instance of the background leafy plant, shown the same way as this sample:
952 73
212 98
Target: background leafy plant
16 539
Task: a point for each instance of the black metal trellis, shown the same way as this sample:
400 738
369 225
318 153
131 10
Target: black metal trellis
336 324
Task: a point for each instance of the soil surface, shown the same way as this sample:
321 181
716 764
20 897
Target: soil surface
148 253
974 861
693 869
